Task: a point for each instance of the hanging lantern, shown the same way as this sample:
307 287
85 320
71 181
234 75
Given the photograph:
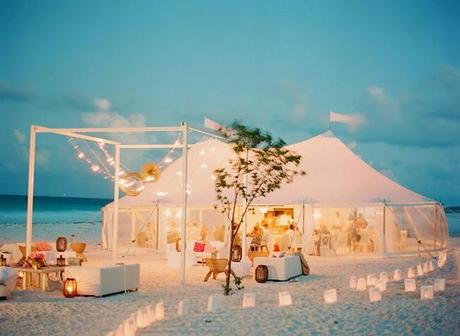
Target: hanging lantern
131 184
2 260
70 288
261 273
237 253
60 261
61 244
150 172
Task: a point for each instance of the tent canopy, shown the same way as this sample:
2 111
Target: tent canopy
335 175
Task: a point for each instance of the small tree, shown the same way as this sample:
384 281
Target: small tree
260 166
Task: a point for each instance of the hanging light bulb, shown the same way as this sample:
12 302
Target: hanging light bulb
81 155
95 168
168 159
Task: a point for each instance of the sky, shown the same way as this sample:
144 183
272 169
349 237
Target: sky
281 66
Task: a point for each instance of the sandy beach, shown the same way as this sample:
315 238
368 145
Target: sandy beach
34 312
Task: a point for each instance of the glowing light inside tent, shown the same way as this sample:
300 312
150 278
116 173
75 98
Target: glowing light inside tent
168 159
179 173
168 212
263 210
213 148
162 193
214 177
204 165
317 215
202 152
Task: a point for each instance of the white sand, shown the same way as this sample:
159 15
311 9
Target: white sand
398 313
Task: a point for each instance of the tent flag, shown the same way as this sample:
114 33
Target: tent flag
211 124
351 120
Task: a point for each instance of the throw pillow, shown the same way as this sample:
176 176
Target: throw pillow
198 247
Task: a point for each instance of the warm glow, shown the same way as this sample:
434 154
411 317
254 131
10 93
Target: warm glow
168 212
263 210
81 155
168 159
202 152
179 173
95 168
162 193
204 165
214 177
317 215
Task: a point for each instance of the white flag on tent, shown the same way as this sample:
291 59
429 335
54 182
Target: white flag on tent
354 121
211 124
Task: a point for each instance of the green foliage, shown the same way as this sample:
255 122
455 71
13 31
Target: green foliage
260 166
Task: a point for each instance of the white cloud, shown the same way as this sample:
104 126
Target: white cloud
376 92
20 136
102 104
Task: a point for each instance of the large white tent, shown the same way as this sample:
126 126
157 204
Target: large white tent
338 186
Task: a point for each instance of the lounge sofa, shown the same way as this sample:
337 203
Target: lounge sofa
8 278
100 281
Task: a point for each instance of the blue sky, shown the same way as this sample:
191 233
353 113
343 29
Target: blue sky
278 65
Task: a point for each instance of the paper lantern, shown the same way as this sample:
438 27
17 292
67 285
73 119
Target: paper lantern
150 314
430 266
371 280
330 295
131 184
249 300
439 285
419 270
60 261
2 260
397 275
261 273
70 288
410 285
214 303
374 294
159 311
61 244
353 281
183 307
361 284
384 276
381 285
284 298
141 319
411 273
130 326
237 253
425 267
426 292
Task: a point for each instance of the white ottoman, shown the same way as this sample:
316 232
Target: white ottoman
241 268
100 281
281 269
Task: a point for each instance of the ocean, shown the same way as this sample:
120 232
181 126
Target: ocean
80 218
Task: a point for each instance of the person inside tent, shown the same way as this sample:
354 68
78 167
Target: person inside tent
290 237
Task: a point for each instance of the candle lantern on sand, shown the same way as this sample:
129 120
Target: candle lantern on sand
261 273
237 253
70 288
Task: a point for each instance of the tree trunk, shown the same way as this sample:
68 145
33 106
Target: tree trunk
227 280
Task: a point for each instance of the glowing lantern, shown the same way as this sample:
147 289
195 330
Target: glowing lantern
237 253
130 326
439 285
361 284
384 276
70 288
381 285
330 295
419 270
411 273
374 294
61 244
141 319
159 311
371 280
60 261
214 303
249 300
353 282
183 307
410 285
426 292
285 298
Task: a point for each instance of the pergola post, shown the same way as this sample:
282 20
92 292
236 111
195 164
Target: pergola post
116 196
184 200
30 190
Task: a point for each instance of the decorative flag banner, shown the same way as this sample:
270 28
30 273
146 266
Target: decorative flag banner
211 124
354 121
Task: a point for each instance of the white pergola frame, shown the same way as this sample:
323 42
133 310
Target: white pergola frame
80 133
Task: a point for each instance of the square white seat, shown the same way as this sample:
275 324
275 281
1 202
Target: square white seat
281 269
100 281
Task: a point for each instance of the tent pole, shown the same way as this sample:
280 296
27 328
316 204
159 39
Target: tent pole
133 226
116 196
435 224
157 237
384 231
30 190
245 219
184 200
304 249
